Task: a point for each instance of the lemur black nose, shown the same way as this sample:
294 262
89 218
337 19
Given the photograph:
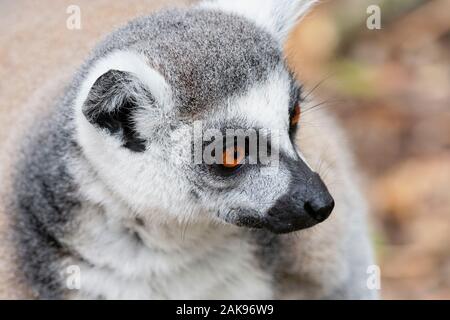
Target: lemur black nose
303 206
319 207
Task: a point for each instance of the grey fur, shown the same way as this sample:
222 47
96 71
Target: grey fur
45 202
203 64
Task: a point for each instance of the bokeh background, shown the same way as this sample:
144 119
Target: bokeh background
390 89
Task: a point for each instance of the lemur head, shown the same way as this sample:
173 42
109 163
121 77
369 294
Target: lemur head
167 93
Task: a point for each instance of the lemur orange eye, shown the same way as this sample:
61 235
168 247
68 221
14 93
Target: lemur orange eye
295 115
233 157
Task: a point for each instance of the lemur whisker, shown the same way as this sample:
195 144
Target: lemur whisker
323 104
317 85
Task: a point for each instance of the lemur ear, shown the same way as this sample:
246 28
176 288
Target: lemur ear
124 96
112 104
276 16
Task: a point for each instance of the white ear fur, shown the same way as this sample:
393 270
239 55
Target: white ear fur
126 61
276 16
129 62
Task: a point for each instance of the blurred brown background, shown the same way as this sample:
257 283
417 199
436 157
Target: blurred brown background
391 91
389 88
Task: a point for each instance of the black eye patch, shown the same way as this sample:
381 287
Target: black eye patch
237 152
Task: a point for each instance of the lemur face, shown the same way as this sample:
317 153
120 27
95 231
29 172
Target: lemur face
191 115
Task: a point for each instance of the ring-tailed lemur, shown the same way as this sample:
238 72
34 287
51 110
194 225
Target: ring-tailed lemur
107 184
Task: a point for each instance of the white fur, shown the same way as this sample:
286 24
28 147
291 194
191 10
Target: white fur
170 261
266 106
166 263
276 16
131 62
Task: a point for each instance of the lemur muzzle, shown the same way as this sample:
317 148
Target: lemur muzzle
306 203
